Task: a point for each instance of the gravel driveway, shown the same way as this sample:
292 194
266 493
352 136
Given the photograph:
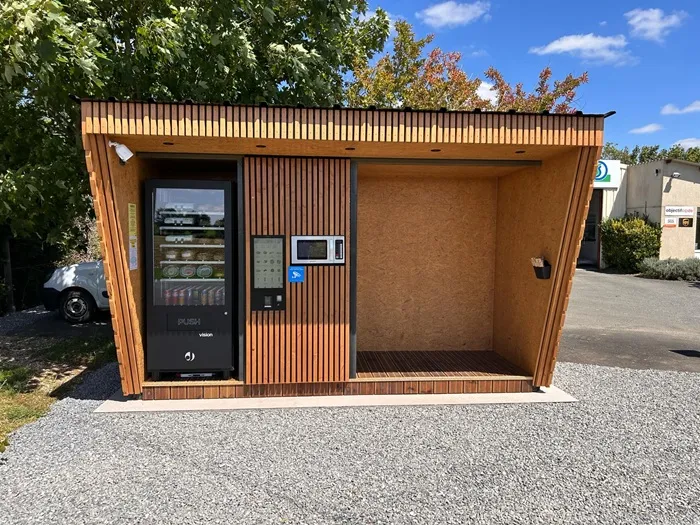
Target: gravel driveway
628 452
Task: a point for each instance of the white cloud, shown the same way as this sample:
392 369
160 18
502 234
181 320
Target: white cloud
475 52
486 91
590 47
649 128
652 24
671 109
689 143
603 23
452 14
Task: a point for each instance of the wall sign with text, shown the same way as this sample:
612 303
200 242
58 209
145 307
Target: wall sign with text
679 210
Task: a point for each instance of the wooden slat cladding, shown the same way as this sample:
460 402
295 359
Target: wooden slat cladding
125 323
352 125
565 269
309 341
351 388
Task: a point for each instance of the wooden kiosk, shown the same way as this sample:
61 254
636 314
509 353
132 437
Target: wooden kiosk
441 215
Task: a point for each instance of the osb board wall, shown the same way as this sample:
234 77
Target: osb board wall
112 188
328 124
310 340
425 261
537 209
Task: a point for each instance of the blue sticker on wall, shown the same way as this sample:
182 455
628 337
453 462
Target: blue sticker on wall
296 274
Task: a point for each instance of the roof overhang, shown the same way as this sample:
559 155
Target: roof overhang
331 132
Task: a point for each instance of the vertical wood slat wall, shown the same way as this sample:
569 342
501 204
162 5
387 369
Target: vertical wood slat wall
309 342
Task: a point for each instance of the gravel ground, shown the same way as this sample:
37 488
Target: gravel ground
13 322
628 452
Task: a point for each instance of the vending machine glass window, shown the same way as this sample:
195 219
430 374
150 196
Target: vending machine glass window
190 287
189 252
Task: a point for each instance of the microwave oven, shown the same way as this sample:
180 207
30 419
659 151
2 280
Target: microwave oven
318 249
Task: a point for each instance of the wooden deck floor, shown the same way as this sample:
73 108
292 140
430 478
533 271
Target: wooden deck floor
435 364
440 372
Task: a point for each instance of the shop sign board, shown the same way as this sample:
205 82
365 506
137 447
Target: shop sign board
679 211
607 174
670 222
685 222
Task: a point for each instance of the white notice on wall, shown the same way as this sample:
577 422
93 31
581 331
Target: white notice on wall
670 222
133 238
680 211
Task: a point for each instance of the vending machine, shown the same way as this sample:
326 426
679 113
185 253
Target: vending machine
190 309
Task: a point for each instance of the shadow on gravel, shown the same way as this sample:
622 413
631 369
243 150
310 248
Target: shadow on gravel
687 353
95 385
53 325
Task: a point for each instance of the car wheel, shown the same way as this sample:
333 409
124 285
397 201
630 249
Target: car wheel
77 306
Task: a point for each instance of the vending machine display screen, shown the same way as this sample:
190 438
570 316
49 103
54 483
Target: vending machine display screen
312 250
268 262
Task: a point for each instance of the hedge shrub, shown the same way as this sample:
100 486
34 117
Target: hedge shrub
671 269
627 241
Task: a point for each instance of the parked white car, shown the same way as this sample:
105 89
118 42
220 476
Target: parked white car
77 291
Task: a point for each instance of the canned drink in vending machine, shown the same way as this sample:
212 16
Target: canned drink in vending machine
212 296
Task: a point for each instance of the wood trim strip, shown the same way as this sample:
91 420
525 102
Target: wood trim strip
206 120
566 264
376 387
116 275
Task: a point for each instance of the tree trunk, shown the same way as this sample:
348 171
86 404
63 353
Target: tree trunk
7 268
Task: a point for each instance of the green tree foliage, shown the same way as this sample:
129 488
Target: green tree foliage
408 76
627 241
642 154
280 51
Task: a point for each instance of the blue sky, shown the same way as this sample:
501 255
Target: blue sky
643 60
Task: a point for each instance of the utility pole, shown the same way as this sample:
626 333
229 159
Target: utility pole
7 267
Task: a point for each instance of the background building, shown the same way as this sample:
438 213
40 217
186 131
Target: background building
667 191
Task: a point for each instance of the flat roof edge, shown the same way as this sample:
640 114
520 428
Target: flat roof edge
339 107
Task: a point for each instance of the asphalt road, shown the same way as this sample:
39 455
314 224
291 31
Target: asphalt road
630 322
